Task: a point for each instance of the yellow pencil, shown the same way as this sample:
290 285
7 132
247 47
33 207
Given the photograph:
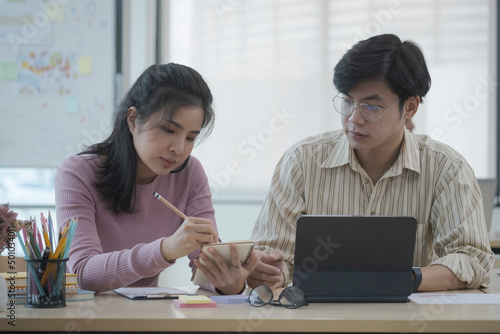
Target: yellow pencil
62 243
46 238
54 255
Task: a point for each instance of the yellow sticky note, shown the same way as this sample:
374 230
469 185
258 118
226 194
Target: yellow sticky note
198 299
85 65
55 12
8 71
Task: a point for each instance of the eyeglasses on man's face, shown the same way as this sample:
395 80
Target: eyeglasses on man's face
290 297
370 112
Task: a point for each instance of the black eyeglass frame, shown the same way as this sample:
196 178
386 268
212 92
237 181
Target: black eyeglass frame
277 302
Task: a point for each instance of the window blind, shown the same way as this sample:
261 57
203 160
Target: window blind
270 67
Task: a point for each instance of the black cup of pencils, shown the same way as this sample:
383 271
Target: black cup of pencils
46 283
46 262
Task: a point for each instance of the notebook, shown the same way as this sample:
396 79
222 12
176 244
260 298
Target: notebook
354 258
19 278
244 248
72 295
488 187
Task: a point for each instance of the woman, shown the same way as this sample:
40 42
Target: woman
126 237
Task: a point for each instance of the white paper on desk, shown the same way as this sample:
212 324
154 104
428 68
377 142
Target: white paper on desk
149 292
451 298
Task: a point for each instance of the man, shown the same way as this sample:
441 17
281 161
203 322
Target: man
374 166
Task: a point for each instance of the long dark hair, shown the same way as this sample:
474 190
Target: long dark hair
402 64
160 89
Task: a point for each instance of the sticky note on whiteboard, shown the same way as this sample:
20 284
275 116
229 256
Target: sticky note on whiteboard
55 12
72 104
85 65
8 71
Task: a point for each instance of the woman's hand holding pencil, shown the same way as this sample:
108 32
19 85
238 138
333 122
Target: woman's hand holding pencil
189 236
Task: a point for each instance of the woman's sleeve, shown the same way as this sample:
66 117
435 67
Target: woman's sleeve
98 271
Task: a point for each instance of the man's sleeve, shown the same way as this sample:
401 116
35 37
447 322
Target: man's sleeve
276 224
459 229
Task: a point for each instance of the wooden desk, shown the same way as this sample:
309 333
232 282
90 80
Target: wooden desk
495 241
495 245
110 312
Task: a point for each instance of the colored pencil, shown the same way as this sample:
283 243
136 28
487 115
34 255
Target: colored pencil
71 233
25 251
54 255
51 230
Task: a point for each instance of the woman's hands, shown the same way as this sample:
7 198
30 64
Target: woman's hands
189 237
229 280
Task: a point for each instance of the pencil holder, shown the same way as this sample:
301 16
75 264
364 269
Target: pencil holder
46 283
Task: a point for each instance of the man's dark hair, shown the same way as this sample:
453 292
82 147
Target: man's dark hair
401 64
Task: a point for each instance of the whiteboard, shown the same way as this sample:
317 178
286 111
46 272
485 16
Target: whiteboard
57 67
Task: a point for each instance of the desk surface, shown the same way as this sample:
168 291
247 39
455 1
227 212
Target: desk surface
495 243
109 312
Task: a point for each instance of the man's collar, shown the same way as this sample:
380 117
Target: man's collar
410 152
339 155
343 153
